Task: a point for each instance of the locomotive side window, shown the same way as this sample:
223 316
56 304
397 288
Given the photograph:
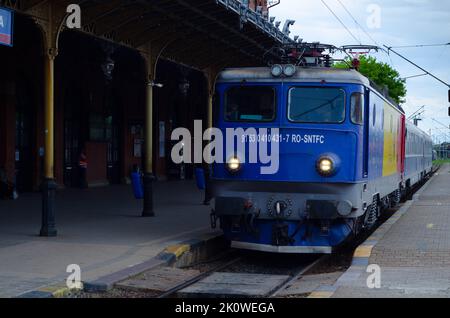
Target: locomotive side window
374 112
357 108
250 103
316 105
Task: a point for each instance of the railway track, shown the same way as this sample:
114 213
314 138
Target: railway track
293 273
198 278
297 276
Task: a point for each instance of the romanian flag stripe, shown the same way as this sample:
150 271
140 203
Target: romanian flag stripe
5 39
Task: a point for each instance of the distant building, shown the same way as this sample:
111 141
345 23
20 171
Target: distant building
442 150
256 5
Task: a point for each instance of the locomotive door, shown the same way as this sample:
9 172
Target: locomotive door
367 115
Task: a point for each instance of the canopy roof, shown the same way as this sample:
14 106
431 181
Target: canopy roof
199 33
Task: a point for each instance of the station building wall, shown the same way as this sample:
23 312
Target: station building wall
104 114
21 105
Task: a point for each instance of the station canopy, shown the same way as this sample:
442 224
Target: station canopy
198 33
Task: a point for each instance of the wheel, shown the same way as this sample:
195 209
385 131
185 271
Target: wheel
372 215
395 198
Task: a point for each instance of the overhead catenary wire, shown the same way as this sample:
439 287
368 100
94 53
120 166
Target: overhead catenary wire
414 76
416 65
341 22
388 49
419 45
416 112
440 123
365 32
358 24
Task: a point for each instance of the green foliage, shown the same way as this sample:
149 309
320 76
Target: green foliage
382 74
441 161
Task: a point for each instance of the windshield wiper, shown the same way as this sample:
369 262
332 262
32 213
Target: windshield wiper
317 108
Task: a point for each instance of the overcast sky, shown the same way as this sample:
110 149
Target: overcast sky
402 22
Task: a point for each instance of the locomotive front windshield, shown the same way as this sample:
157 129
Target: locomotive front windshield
250 103
316 105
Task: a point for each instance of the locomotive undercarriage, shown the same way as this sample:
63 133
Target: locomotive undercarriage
288 220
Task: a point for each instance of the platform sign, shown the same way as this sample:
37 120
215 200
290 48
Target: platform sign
6 27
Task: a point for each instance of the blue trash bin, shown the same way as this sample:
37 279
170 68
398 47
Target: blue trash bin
200 178
137 185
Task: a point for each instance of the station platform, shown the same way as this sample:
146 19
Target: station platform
99 229
412 249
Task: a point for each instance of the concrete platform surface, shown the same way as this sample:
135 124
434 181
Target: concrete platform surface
99 229
309 283
414 253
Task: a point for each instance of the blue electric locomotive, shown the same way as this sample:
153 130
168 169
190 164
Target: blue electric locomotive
343 149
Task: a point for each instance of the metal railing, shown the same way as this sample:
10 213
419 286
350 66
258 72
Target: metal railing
261 22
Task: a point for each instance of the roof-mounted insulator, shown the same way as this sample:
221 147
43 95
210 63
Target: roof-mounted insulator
356 63
287 26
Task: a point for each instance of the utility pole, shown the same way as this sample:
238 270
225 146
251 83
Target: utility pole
416 116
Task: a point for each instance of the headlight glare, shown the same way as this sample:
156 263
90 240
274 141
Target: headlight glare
326 166
234 164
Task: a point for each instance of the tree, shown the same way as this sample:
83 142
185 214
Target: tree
382 74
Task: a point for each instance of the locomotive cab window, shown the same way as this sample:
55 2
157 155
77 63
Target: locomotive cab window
357 108
250 103
316 105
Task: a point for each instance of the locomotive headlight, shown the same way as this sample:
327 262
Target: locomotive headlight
276 70
289 70
234 165
327 165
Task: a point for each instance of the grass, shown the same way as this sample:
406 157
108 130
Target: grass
441 161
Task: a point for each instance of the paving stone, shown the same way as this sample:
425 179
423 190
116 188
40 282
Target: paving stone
353 292
310 283
14 285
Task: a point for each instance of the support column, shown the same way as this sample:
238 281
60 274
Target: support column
211 76
50 20
149 177
48 186
150 52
